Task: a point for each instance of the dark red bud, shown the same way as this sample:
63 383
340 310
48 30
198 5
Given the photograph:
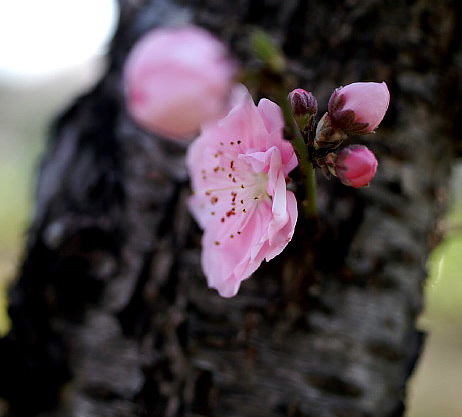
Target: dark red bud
303 103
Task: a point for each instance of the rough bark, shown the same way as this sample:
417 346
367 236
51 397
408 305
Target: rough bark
111 314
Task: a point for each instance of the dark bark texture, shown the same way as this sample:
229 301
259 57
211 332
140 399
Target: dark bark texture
111 315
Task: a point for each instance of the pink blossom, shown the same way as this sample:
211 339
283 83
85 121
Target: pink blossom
238 168
176 79
359 107
355 166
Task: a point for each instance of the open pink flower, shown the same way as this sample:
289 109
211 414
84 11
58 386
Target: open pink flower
176 79
238 168
359 108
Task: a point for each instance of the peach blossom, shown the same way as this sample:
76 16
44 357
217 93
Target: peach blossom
238 167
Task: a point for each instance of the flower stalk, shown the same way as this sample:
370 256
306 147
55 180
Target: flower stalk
305 166
265 49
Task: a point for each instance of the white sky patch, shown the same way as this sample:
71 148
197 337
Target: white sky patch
39 37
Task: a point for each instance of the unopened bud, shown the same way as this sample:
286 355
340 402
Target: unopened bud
326 135
303 102
176 79
359 108
304 106
355 166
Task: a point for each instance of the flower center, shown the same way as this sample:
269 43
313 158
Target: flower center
235 189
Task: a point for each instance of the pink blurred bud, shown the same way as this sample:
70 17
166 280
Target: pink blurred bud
359 108
355 166
177 79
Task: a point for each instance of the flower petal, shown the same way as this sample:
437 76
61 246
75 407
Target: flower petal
229 261
271 114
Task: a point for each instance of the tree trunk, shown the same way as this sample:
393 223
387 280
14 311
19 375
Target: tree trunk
111 315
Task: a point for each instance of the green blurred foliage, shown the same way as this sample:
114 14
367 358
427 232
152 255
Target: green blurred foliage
435 386
4 321
444 287
17 159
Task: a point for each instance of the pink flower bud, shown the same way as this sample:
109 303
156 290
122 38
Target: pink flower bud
355 166
302 102
177 79
359 108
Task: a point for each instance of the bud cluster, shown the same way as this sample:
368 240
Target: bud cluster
356 109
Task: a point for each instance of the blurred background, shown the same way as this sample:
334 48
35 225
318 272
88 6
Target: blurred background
60 56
